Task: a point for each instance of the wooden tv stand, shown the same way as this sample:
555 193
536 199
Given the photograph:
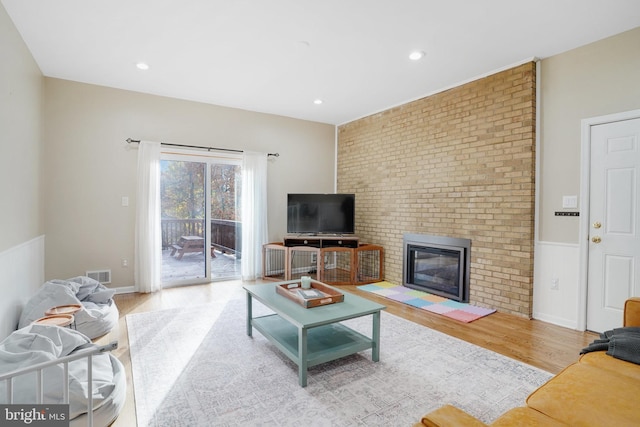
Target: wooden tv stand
321 241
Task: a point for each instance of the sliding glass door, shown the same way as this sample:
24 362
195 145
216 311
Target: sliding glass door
201 228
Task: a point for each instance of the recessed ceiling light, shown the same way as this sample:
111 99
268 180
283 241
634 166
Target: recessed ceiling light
416 55
317 101
142 66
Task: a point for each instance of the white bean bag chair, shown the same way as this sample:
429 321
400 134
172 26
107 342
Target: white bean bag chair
38 343
99 313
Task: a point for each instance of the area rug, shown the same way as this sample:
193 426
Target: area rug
197 367
433 303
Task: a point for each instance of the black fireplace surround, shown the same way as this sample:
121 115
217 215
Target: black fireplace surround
438 265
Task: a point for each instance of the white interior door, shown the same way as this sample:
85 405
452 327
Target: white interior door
614 242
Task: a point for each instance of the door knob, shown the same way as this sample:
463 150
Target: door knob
597 224
596 239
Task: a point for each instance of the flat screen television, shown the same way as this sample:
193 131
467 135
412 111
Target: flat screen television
321 213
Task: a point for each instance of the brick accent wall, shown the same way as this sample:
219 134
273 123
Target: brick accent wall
459 163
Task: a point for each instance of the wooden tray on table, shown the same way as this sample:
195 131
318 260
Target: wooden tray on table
319 294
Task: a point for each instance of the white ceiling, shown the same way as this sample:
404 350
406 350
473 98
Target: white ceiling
278 56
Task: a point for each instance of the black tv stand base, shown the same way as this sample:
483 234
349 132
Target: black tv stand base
321 241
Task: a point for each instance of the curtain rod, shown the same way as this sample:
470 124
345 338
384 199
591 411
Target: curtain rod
168 144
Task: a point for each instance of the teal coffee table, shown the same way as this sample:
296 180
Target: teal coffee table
310 336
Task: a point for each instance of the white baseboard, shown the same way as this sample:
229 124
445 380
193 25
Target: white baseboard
555 320
125 290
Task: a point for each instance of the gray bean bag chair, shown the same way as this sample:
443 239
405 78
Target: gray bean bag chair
36 344
99 313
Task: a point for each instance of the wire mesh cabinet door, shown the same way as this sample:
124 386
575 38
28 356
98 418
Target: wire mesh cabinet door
337 266
275 262
370 264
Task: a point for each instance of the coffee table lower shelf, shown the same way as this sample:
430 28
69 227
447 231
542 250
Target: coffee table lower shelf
323 343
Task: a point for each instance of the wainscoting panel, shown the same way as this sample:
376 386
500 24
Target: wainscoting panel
21 274
556 283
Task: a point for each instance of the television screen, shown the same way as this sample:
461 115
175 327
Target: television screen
321 213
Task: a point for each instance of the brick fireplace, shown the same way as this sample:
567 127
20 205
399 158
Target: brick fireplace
458 163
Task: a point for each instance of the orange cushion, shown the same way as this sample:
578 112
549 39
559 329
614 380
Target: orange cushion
525 417
449 415
587 395
632 312
621 367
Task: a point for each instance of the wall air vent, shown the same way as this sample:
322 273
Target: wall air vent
102 276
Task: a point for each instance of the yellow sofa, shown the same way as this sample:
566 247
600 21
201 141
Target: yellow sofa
598 390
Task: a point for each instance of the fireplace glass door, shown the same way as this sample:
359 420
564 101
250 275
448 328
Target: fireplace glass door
436 270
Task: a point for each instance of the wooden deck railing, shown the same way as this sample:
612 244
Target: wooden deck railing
226 235
173 229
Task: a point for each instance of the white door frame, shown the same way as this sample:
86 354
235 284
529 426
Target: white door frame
585 176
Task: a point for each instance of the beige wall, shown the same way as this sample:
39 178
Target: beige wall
89 167
21 207
21 139
594 80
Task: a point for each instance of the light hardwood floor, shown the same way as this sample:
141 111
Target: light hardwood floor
537 343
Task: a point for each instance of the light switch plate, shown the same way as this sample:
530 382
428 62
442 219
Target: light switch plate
569 202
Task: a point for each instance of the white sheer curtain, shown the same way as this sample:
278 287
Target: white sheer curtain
254 213
148 246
